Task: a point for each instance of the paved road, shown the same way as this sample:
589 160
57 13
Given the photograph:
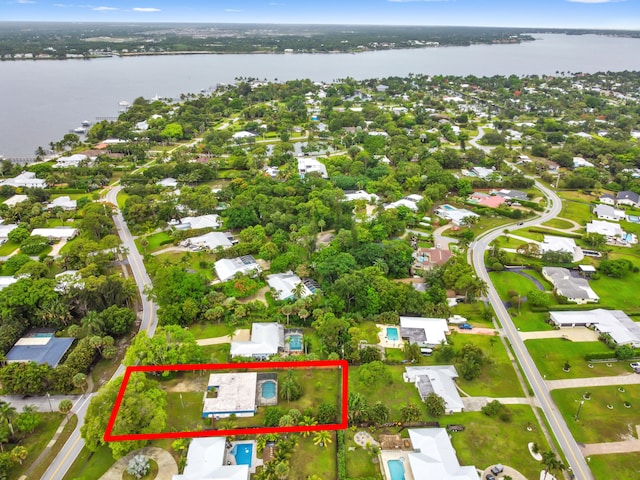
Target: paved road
559 427
74 445
626 379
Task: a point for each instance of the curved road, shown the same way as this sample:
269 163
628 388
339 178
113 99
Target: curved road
71 449
559 427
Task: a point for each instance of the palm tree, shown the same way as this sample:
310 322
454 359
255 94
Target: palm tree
7 413
93 323
551 462
19 454
307 421
286 310
322 438
282 470
298 290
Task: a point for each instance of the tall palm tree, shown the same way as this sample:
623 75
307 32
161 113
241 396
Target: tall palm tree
7 413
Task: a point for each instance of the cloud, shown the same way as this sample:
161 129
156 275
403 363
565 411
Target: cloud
104 9
232 10
145 9
595 1
24 2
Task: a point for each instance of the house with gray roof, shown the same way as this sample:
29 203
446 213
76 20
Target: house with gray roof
438 379
607 212
227 268
39 346
575 288
426 332
628 198
622 329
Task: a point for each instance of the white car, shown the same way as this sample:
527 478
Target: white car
635 365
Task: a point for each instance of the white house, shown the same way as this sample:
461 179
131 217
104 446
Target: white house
439 380
455 215
210 241
70 161
206 460
56 233
194 223
607 199
612 231
267 339
623 330
227 268
552 243
581 162
243 134
285 284
235 394
167 183
410 201
63 202
426 332
15 200
576 289
5 281
361 195
25 179
607 212
433 457
5 230
308 165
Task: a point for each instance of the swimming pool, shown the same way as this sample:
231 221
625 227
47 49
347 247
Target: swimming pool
448 207
43 335
243 452
268 389
392 333
295 342
396 469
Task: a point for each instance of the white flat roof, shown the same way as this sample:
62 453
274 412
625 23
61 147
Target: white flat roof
236 393
616 323
434 457
56 232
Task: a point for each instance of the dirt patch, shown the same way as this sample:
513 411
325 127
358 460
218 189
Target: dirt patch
193 383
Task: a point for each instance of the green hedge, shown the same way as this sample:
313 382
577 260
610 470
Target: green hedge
555 233
67 191
342 460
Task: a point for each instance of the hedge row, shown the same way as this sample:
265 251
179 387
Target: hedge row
342 459
555 233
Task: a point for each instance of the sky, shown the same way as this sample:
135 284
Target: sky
617 14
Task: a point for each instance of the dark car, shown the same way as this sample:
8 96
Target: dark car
497 469
490 477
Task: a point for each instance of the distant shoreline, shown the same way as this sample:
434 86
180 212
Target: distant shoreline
260 52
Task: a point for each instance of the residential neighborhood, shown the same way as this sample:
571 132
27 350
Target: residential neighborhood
469 246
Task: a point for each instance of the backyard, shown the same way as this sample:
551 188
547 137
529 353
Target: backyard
550 355
597 422
309 459
627 466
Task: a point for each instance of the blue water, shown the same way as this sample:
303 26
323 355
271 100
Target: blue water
392 333
448 207
633 219
629 237
43 335
295 342
268 389
243 453
396 469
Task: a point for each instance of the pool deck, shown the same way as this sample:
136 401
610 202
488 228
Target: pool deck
386 455
255 461
384 341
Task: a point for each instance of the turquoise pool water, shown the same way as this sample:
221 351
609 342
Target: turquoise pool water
295 342
43 335
392 334
448 207
396 469
268 389
243 453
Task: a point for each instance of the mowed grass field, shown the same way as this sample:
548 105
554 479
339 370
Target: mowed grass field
627 466
598 423
550 355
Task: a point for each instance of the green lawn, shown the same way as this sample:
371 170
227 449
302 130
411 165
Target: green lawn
576 211
309 459
506 281
618 293
393 355
596 422
394 394
8 247
184 415
528 321
38 471
359 460
89 466
155 242
36 441
550 354
621 466
210 330
122 198
473 312
498 378
369 332
487 440
200 262
558 223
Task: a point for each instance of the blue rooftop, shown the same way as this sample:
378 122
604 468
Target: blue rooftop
40 350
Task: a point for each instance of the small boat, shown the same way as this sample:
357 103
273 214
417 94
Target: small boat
80 130
124 103
86 123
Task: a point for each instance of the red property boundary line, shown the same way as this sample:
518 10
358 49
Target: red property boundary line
341 364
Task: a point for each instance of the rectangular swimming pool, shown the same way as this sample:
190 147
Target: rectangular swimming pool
396 469
295 343
392 334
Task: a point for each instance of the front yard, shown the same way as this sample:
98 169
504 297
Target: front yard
597 422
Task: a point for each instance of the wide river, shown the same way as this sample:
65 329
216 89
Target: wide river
42 100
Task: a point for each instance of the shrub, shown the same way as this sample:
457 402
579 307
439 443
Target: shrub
138 466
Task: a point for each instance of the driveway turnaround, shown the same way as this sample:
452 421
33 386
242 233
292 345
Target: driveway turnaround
167 466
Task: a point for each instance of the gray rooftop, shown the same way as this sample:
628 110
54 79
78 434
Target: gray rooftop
40 350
